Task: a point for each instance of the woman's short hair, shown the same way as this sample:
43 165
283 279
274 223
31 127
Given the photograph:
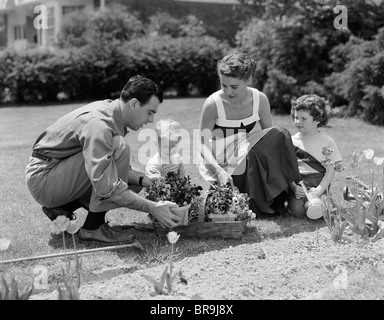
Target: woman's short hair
142 89
239 65
314 105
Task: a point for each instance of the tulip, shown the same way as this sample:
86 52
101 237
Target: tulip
61 224
173 237
326 151
4 244
368 153
378 161
339 167
73 226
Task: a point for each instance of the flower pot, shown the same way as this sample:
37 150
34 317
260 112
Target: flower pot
183 213
222 217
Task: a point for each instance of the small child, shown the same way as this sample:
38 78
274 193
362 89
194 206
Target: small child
167 158
313 149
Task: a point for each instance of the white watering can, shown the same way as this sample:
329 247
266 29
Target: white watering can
314 207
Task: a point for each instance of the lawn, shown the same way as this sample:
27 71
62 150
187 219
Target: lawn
30 231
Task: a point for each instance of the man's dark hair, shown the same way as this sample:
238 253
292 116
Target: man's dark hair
142 89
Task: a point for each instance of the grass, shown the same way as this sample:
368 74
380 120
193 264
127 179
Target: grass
30 231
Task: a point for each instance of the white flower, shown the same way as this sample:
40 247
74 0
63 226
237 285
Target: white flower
173 237
378 161
61 223
73 227
251 214
368 153
339 167
326 151
4 244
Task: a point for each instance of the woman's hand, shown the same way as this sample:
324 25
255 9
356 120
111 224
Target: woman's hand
224 177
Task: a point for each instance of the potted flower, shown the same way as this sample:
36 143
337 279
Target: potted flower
179 189
226 203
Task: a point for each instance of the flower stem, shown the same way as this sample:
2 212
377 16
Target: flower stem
74 242
170 264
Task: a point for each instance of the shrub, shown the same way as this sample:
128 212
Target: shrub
359 84
280 89
163 23
73 30
100 69
175 62
292 55
112 23
30 76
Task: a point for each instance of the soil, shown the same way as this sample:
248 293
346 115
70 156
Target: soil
306 265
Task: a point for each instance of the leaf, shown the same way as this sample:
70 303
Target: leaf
78 272
183 280
380 209
152 280
158 285
26 294
342 228
73 293
14 293
351 217
380 233
63 294
5 294
162 279
169 281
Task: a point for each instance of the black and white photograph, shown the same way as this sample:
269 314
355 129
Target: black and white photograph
192 156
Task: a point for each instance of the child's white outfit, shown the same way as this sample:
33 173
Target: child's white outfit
308 149
158 166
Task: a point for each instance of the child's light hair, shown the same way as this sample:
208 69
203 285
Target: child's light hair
168 129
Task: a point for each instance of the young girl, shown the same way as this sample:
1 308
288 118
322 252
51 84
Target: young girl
309 113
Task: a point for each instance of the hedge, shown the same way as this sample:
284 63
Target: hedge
101 69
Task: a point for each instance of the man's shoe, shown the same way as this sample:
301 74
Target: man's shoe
53 213
107 234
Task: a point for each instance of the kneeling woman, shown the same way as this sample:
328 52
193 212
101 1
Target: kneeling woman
239 144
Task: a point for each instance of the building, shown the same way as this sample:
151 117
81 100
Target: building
21 23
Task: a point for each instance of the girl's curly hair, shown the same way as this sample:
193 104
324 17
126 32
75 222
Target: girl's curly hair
314 105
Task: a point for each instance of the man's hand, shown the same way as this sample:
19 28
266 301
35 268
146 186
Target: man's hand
162 213
147 182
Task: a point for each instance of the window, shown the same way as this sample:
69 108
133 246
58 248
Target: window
20 32
69 9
